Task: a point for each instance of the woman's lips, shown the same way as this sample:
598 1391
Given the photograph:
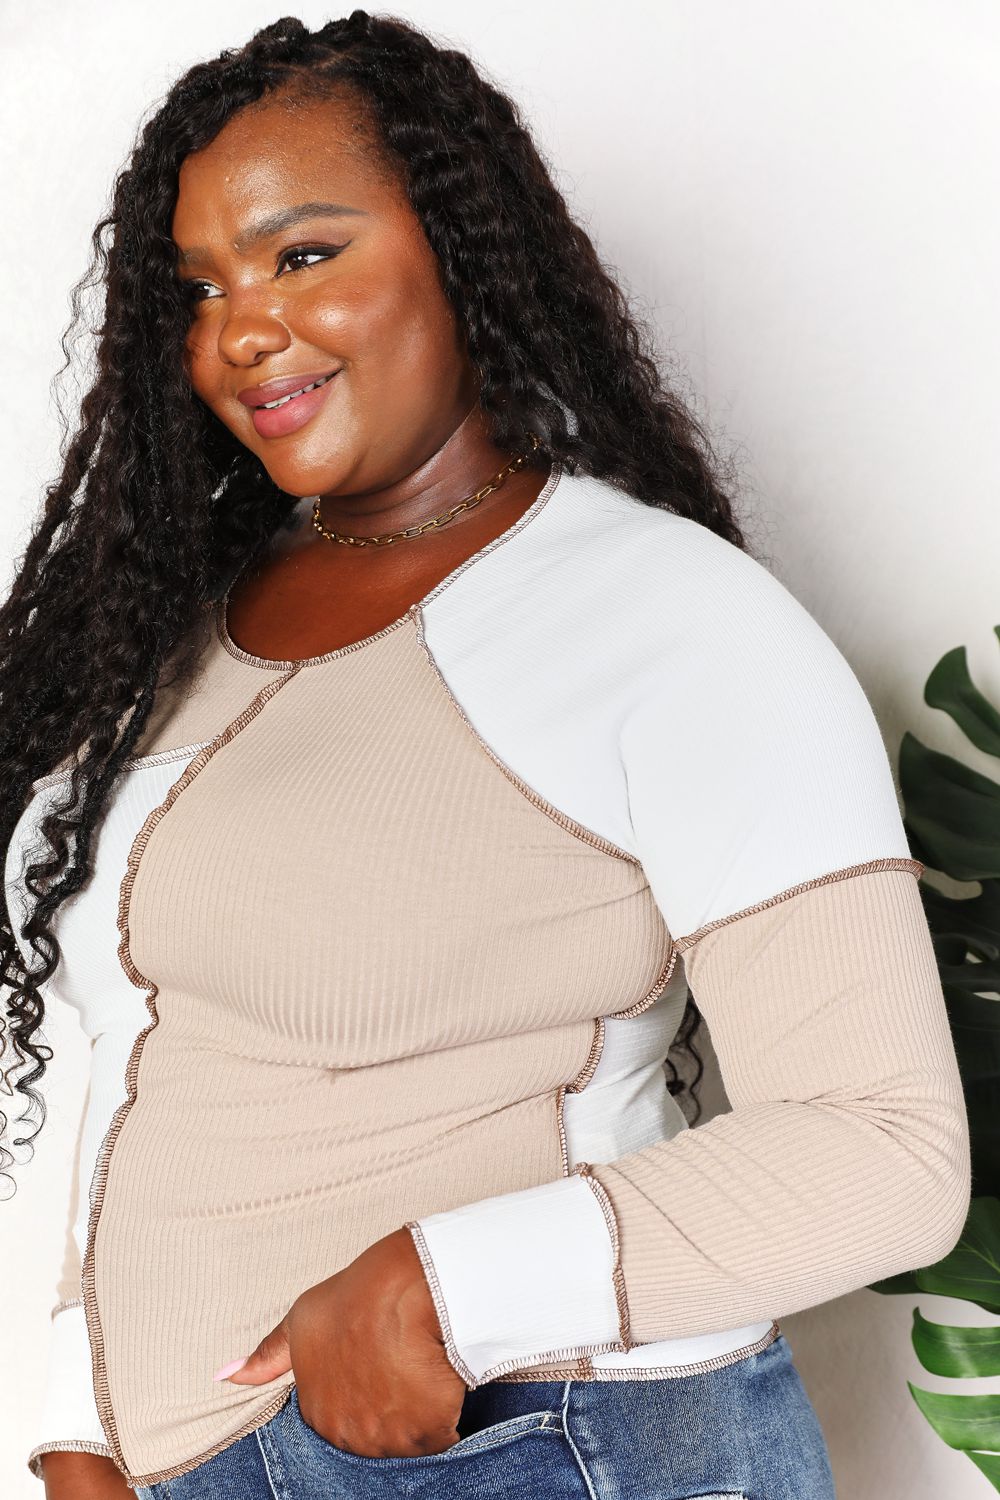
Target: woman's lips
293 412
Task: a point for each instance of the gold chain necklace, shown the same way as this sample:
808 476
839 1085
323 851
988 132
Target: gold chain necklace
394 536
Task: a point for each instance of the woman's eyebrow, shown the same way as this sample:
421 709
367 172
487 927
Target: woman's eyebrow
273 224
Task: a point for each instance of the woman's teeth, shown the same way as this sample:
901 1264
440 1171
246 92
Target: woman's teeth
270 405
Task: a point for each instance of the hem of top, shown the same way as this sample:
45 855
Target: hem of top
649 1372
176 1470
64 1445
250 659
892 862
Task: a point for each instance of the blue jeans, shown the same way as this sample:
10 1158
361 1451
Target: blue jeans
746 1431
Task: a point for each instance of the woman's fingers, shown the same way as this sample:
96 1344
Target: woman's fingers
272 1357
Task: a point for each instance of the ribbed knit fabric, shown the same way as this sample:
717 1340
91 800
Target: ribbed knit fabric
820 1079
366 1018
386 913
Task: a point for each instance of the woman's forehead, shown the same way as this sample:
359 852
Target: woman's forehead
268 159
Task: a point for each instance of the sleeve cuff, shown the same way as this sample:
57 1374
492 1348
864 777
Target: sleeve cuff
64 1445
526 1278
69 1418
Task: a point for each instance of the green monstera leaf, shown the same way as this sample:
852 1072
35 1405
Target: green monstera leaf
952 821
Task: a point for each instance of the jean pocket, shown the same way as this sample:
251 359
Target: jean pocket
492 1436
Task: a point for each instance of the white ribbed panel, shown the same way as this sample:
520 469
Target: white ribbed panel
68 1416
626 1105
526 1243
91 980
711 728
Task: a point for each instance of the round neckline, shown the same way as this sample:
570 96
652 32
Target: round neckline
273 664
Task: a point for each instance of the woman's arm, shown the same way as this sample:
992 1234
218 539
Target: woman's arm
82 1476
765 816
68 1426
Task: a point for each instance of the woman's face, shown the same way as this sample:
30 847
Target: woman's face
303 259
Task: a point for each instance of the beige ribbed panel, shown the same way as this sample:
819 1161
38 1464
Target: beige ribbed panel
847 1121
375 962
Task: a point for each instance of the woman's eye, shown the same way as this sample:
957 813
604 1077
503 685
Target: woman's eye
299 259
306 255
192 290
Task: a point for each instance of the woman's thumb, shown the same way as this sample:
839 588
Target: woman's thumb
271 1357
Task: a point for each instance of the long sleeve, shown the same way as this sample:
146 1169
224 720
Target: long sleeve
68 1416
765 817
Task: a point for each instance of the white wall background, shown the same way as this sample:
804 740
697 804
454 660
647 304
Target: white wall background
802 199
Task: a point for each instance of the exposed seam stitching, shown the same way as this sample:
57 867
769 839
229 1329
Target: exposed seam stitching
64 1445
585 835
548 1356
561 1128
62 1306
583 1169
894 863
441 1307
579 1083
248 657
95 1333
569 1438
657 1372
131 763
272 1482
538 504
658 987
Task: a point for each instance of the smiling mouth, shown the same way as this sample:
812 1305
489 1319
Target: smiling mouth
284 400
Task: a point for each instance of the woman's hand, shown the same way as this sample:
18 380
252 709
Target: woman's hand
368 1356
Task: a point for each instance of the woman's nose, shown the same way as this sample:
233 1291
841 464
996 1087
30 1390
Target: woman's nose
250 329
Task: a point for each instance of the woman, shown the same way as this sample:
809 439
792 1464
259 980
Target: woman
396 669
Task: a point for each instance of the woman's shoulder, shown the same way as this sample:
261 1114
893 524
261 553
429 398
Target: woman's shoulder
690 594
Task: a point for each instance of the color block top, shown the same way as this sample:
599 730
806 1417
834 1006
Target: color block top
401 934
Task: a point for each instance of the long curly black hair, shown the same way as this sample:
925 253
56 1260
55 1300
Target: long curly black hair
158 506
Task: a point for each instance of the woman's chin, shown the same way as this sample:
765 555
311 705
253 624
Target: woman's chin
303 478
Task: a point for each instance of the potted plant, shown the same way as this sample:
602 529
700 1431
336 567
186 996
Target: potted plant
952 821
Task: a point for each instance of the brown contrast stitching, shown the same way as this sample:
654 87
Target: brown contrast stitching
187 1464
305 661
561 1128
658 988
550 1356
101 1391
64 1445
589 1068
579 1083
651 1372
251 660
587 835
538 504
913 865
441 1307
584 1170
494 1371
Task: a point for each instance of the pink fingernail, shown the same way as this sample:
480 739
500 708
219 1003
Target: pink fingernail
231 1368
